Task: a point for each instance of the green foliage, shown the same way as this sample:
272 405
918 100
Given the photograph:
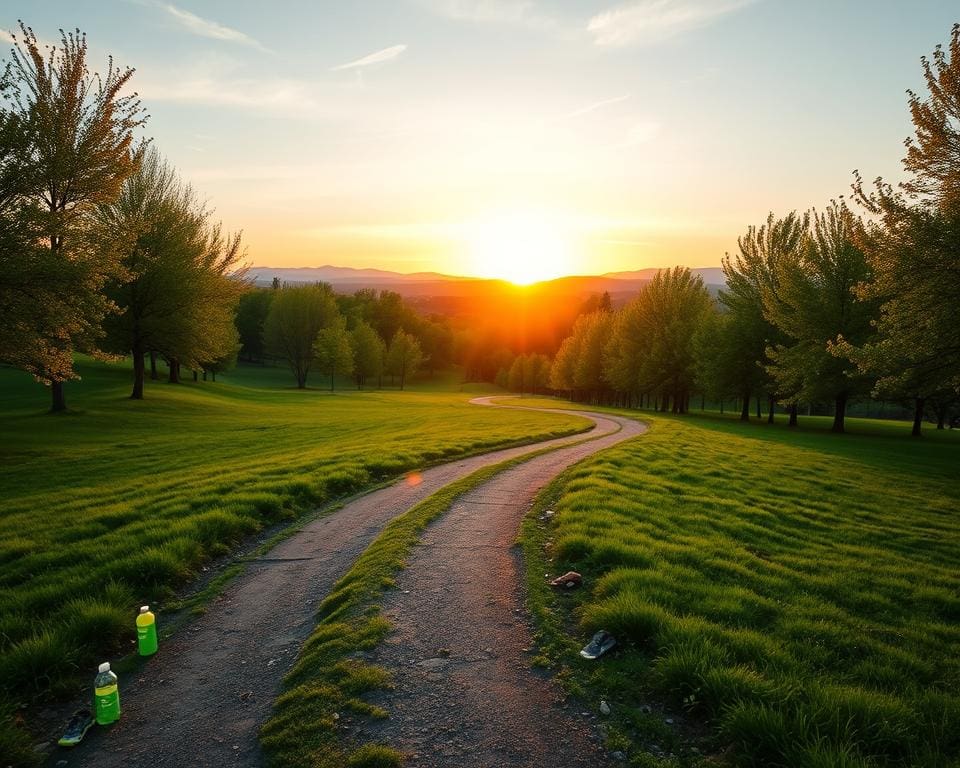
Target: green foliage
752 277
179 286
806 618
647 347
912 248
332 350
813 304
404 356
71 136
250 319
369 353
297 313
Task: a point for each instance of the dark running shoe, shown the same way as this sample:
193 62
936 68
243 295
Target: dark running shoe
77 728
602 642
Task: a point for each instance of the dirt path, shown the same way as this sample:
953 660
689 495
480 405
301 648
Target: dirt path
465 694
201 701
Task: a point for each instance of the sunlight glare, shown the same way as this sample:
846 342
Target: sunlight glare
520 245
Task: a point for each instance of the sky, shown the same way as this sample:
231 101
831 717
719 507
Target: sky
498 138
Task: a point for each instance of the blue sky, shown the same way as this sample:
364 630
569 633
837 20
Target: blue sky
420 134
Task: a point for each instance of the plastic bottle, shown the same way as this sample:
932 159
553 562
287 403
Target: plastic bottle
146 631
106 696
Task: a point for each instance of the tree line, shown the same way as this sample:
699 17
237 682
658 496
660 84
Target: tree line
367 335
103 248
829 305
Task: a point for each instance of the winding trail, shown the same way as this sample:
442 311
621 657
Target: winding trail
202 700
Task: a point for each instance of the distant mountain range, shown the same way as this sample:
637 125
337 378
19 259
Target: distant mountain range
348 279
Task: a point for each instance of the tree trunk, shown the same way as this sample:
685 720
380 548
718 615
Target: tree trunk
840 411
138 372
195 376
759 412
154 376
918 404
174 377
941 417
214 375
745 407
703 403
59 400
771 405
793 415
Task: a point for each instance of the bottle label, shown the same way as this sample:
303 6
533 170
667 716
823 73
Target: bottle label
107 690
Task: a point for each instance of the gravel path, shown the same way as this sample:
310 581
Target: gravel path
465 694
203 698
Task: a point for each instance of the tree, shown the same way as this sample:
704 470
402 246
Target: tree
436 340
913 249
751 275
657 332
368 353
813 305
588 372
181 277
297 313
403 356
251 316
332 350
79 132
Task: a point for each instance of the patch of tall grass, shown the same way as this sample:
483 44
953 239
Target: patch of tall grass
794 592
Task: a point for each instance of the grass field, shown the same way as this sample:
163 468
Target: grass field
784 598
119 502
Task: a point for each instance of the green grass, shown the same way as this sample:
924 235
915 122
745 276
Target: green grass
788 598
119 503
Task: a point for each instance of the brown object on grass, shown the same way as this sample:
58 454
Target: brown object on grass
569 580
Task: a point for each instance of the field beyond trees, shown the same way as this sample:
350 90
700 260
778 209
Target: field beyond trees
796 591
122 501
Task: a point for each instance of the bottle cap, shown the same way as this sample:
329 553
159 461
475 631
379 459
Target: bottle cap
144 608
105 667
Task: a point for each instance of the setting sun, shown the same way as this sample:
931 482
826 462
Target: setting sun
520 245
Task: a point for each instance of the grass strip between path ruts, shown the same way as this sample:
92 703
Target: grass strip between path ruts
326 685
780 598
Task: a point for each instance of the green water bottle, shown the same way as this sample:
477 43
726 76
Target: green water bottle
106 696
146 631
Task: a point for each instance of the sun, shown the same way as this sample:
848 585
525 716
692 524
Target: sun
520 245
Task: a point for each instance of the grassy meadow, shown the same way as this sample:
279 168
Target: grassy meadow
784 598
120 502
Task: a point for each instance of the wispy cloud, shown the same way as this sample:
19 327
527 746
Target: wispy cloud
377 57
523 13
595 106
208 28
650 21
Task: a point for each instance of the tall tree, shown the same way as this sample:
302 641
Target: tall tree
182 278
297 313
251 315
332 350
666 315
369 352
404 356
750 275
813 305
913 248
80 133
